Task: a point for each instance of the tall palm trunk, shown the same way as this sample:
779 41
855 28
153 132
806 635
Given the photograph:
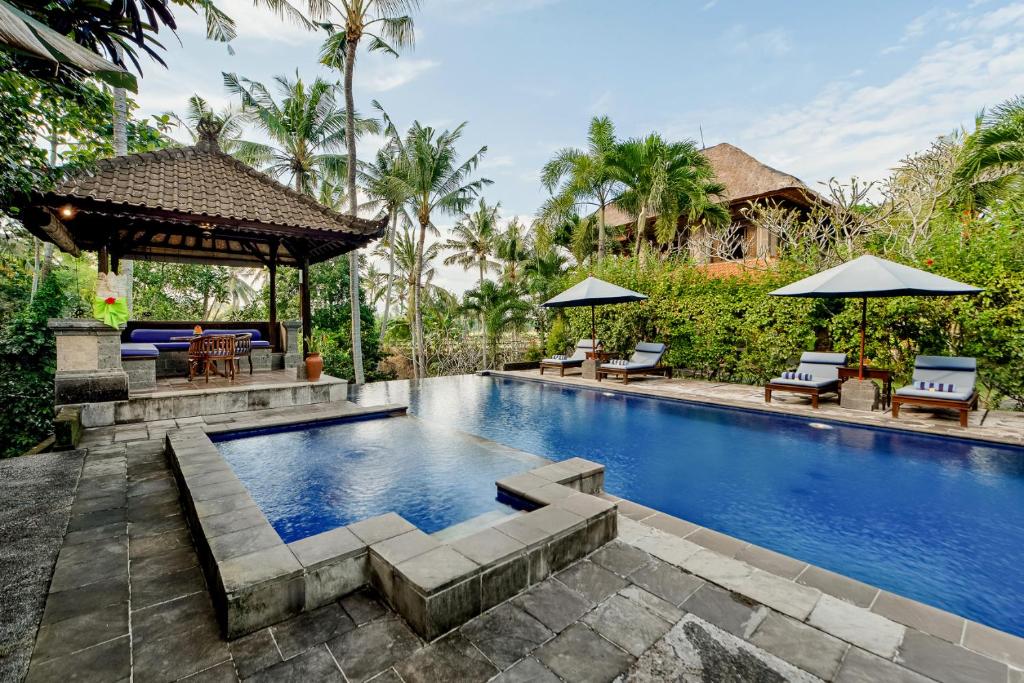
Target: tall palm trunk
600 231
127 268
410 314
483 345
353 256
391 271
641 224
417 291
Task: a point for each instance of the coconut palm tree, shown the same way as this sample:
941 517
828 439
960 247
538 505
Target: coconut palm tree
580 178
474 240
386 197
228 122
389 27
431 174
500 308
991 162
513 248
667 180
305 125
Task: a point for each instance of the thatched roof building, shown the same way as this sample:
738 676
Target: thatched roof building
746 180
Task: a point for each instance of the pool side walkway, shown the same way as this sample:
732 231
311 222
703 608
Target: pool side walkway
1001 426
127 601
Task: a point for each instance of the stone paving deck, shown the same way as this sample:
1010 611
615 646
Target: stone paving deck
997 425
127 600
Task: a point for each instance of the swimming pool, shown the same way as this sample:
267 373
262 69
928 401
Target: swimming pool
318 478
935 519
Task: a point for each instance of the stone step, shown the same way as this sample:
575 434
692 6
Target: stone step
475 524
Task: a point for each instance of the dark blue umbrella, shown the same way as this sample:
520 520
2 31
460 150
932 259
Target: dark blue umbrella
593 292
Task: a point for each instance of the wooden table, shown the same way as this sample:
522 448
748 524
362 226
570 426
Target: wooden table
872 373
599 356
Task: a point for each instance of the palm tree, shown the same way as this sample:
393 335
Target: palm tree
228 122
474 240
387 197
513 250
306 127
436 181
543 270
583 177
389 26
667 180
500 308
991 163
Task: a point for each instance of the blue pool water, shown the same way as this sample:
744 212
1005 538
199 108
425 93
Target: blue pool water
939 520
315 479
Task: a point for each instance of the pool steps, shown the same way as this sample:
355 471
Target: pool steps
256 579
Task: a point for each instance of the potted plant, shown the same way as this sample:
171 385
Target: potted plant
315 346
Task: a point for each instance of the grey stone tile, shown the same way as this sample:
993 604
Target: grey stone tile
222 673
153 511
593 582
243 542
254 652
781 595
652 602
946 662
667 582
726 610
860 666
107 661
519 530
314 665
302 632
363 606
528 670
437 569
506 634
719 542
800 645
173 560
1016 676
999 645
488 546
578 654
627 624
178 655
86 599
154 545
635 511
379 528
920 616
91 520
771 561
620 558
154 526
452 658
262 565
405 546
146 592
857 625
233 520
839 586
673 525
313 550
389 676
80 632
111 530
370 649
554 604
187 613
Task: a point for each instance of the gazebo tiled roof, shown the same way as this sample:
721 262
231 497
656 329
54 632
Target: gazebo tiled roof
193 204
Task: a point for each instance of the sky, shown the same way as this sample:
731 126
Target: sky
815 89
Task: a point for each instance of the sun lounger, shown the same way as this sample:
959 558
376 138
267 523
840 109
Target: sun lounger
573 361
646 360
817 374
941 382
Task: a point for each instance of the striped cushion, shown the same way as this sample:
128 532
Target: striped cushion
802 376
935 386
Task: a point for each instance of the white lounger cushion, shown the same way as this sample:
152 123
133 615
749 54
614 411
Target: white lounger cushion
563 361
940 395
646 355
804 383
578 356
628 366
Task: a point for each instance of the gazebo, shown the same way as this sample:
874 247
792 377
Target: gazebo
195 205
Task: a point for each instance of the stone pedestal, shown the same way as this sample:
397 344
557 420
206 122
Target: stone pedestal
860 394
589 369
292 357
88 363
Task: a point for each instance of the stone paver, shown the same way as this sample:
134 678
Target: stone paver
506 634
728 611
590 580
314 665
368 650
667 582
946 662
553 604
800 645
579 654
620 558
860 666
858 626
626 623
451 658
528 670
839 586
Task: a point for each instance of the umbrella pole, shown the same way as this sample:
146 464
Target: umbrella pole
863 326
593 331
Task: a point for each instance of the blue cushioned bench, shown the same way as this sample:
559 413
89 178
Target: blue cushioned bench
171 355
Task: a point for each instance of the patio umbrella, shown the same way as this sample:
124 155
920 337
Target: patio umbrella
593 292
870 276
24 34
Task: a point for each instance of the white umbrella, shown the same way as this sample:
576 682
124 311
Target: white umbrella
593 292
870 276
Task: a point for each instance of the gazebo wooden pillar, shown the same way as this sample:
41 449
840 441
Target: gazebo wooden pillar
195 205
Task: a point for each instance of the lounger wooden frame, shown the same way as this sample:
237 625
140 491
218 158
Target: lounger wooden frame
814 392
626 373
561 366
965 406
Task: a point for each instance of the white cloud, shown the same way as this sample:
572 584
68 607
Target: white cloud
773 42
864 130
382 76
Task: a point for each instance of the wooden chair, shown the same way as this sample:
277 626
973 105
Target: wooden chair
823 370
646 360
207 350
243 349
957 375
